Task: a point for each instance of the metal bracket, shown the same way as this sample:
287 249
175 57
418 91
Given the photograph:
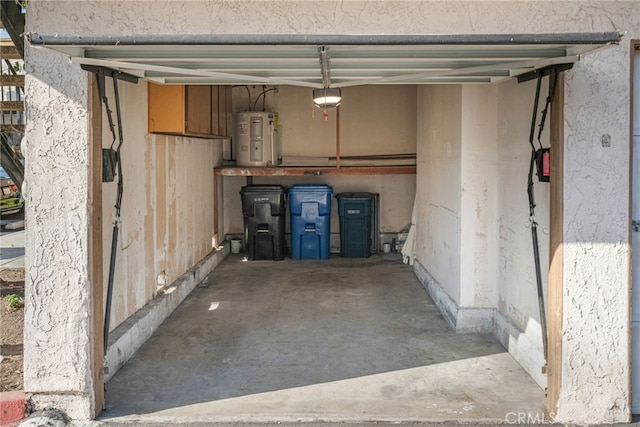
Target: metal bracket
110 72
546 71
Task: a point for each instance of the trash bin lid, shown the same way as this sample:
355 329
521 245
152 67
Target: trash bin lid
263 188
355 196
310 188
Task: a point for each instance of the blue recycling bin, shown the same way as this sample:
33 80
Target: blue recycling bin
310 208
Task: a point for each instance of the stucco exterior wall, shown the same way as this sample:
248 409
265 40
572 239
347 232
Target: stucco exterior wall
595 366
596 318
57 350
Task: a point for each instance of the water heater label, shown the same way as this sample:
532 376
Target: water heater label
243 128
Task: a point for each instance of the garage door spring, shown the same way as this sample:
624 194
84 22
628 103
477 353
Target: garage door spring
535 163
111 166
111 160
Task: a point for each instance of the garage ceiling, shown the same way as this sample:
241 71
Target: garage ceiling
335 60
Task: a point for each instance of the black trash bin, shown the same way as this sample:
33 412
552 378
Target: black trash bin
264 211
355 210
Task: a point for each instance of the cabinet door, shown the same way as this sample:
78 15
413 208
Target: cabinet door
215 111
166 108
198 110
222 110
229 110
221 117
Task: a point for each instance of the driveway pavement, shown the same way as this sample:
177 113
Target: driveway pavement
12 237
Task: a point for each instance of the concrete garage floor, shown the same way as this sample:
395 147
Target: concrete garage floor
343 340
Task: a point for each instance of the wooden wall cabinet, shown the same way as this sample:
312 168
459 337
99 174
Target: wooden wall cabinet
193 110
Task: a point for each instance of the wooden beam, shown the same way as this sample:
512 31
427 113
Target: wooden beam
95 244
13 21
11 105
9 51
11 80
554 359
11 128
312 171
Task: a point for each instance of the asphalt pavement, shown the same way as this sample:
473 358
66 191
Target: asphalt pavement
12 239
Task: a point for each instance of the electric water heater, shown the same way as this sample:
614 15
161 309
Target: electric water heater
255 140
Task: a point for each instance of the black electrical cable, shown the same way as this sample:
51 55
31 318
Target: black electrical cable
263 94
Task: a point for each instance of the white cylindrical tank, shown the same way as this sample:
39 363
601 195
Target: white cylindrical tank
255 139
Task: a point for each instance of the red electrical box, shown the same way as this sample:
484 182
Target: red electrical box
543 164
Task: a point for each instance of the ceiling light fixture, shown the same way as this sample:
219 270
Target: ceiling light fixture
327 97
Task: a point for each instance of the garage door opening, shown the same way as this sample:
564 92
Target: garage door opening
452 161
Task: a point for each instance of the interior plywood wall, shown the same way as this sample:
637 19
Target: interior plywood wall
167 208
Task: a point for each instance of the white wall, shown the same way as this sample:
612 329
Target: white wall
167 207
438 185
479 196
491 286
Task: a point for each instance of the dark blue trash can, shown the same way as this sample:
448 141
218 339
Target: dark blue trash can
355 210
310 207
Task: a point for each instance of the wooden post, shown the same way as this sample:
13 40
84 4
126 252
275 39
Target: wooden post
215 208
95 242
554 362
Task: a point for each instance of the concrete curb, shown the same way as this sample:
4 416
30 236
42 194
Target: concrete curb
14 407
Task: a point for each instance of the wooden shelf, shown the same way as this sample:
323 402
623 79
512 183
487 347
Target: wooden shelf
314 171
